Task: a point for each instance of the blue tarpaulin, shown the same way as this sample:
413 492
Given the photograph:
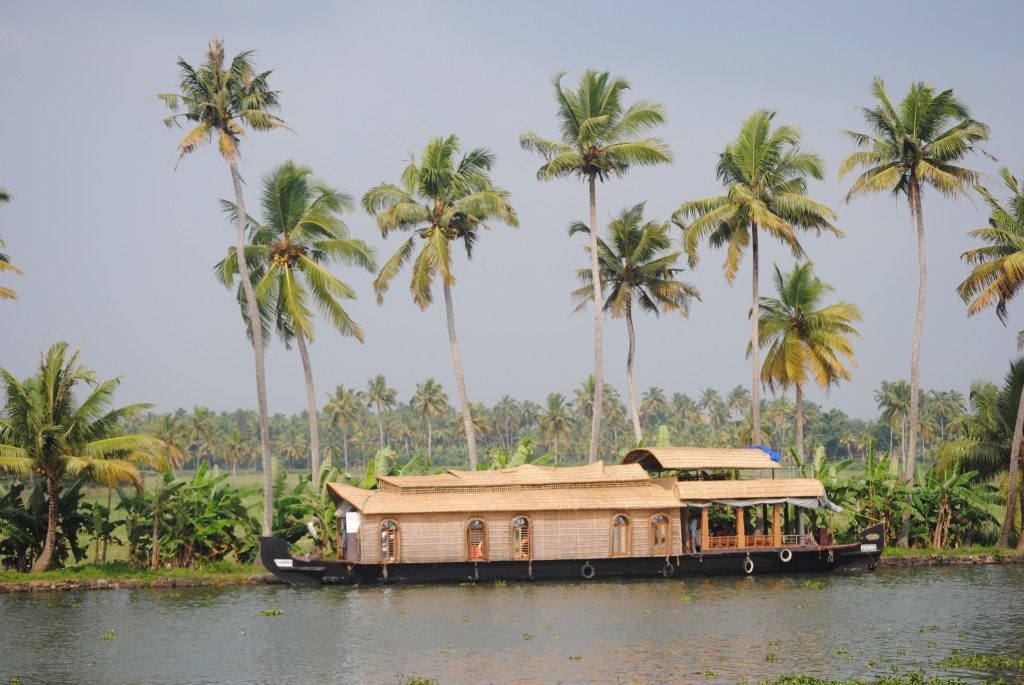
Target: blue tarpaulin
776 457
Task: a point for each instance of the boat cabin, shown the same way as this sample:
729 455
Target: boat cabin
656 503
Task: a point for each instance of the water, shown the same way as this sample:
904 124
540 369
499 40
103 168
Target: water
721 630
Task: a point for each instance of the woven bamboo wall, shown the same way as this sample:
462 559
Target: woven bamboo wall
426 538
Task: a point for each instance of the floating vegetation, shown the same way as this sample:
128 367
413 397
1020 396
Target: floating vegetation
708 673
527 636
271 612
500 583
241 632
897 678
63 605
1015 663
576 657
901 651
773 643
771 657
814 584
109 635
445 649
416 680
928 629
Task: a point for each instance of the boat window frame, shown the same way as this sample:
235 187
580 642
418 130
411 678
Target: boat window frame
517 550
482 545
627 526
392 533
666 548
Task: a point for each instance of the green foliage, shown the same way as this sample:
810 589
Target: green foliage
199 520
23 521
292 507
1015 663
523 454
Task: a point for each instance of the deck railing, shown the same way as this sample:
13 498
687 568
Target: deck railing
757 541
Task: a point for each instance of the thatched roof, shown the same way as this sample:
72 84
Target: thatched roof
651 496
699 458
523 477
711 490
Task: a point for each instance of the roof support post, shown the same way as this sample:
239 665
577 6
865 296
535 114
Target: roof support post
776 525
741 529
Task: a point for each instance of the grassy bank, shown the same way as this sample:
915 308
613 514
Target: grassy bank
117 574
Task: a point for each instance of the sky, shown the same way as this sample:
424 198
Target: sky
117 241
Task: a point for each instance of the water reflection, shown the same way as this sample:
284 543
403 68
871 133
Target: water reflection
694 631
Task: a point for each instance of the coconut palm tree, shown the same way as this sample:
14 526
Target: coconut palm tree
5 260
441 200
997 276
378 393
429 401
654 406
556 421
915 144
636 268
344 408
805 337
738 400
506 412
893 399
765 173
222 100
990 432
46 429
289 250
201 432
600 138
171 433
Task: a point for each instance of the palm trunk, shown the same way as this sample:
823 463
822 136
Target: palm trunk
915 358
460 379
314 419
629 376
155 555
800 421
595 272
755 345
380 424
1013 484
257 349
430 439
344 446
43 562
110 496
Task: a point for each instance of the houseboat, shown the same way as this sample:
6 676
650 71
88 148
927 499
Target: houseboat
663 511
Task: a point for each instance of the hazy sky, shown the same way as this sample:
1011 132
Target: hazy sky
117 246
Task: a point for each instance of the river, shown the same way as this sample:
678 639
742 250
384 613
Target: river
720 630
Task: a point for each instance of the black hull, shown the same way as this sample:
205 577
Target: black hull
300 572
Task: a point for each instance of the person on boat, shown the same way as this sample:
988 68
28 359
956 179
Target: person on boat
694 534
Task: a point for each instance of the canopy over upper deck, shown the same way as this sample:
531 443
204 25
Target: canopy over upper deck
700 458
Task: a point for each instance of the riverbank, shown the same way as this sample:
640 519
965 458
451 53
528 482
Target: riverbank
119 576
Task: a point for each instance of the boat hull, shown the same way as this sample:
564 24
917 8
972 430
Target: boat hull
303 572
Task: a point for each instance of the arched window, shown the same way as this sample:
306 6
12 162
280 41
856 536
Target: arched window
620 536
659 536
388 541
476 536
521 546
